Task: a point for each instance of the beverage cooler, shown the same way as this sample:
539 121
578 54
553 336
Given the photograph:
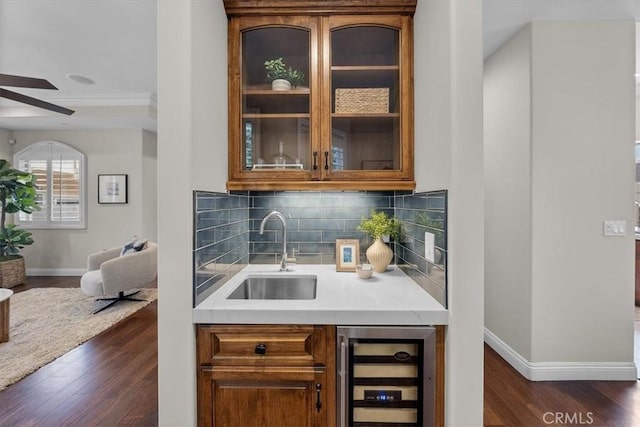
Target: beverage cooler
386 376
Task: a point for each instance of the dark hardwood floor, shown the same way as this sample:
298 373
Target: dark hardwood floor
111 380
511 400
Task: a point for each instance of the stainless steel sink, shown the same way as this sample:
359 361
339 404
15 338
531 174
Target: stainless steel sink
277 286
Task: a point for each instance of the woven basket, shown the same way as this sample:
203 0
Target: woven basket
362 100
12 272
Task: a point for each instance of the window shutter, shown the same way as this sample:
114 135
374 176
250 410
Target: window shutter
65 190
59 173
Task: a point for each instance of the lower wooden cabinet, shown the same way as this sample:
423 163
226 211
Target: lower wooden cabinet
277 375
266 375
251 398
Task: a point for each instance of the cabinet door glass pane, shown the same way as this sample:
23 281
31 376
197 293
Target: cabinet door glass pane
276 119
276 143
365 87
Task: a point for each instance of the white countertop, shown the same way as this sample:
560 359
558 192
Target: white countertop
342 298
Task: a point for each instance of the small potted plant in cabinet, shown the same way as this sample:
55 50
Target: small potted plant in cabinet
281 76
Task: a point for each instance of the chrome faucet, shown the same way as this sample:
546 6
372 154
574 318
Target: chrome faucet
285 259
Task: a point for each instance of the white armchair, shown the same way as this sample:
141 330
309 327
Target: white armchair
110 275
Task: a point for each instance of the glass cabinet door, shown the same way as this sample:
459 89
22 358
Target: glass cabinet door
276 131
365 90
345 118
367 86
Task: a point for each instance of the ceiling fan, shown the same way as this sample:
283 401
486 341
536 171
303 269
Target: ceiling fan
29 82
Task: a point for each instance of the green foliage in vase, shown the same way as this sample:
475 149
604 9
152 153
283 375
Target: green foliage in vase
380 224
17 194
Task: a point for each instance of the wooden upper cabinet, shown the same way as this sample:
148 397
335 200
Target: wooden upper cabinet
346 123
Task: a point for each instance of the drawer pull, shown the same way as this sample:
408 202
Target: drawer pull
315 160
326 160
261 349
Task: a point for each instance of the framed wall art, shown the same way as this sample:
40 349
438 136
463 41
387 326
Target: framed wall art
112 189
347 254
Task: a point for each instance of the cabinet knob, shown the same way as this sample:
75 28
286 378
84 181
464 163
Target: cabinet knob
261 349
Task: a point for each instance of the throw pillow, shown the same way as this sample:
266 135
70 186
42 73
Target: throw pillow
140 245
132 246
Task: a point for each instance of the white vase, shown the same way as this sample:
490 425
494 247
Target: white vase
280 84
379 255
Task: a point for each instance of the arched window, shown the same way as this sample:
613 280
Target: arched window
60 177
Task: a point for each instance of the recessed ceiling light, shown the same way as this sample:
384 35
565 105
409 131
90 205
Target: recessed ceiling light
80 79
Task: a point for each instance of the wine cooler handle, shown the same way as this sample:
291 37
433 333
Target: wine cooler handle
315 160
326 160
318 402
343 382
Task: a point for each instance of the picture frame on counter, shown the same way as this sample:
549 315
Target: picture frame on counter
112 189
347 254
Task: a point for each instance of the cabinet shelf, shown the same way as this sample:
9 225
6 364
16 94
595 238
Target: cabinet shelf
365 68
270 92
277 116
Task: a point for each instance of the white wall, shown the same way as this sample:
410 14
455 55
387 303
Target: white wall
192 143
448 137
432 94
507 161
583 160
107 152
149 180
6 150
209 77
582 172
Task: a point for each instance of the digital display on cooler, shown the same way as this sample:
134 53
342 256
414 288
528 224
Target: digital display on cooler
383 395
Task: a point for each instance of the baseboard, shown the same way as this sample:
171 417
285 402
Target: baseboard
561 371
56 271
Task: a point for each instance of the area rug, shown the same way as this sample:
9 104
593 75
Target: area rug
45 323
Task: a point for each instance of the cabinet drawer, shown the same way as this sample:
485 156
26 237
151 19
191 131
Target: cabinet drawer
255 345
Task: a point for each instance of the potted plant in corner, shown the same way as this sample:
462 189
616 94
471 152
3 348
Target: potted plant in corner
281 76
17 194
377 226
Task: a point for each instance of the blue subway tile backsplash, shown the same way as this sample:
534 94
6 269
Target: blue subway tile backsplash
420 213
226 231
220 240
315 219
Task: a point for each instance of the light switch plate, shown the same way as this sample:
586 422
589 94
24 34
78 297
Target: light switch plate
430 246
614 228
